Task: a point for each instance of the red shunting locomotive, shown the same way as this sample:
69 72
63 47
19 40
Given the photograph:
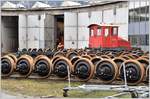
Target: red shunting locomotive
106 36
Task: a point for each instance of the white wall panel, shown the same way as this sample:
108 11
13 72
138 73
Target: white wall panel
122 15
70 19
70 33
83 33
22 31
122 21
31 31
123 31
83 44
49 31
71 44
96 17
83 19
83 30
70 30
108 16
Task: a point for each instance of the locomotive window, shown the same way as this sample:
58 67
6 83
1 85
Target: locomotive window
106 32
98 31
92 32
115 30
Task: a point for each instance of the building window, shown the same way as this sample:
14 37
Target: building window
139 39
147 39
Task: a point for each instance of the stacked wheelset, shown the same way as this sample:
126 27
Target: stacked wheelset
82 64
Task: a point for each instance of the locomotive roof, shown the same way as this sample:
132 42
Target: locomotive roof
107 25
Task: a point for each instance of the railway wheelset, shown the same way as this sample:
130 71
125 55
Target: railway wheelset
83 64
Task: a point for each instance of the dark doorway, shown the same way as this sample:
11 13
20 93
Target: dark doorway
59 29
9 33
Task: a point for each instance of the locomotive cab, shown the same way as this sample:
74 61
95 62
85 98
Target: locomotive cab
106 36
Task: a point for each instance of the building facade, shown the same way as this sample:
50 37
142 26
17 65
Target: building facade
139 23
46 27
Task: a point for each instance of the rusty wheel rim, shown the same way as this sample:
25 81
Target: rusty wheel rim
95 60
137 70
74 59
107 71
43 66
59 53
14 58
26 62
85 65
147 74
105 57
143 61
87 57
71 54
125 57
60 65
7 63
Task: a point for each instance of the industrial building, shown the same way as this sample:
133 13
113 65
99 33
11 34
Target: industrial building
41 25
75 45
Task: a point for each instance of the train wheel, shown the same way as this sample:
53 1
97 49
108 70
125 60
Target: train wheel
7 66
95 60
99 53
55 58
125 57
134 72
43 66
105 57
143 61
146 57
33 53
135 56
84 69
118 61
25 65
40 51
111 56
131 56
60 67
49 53
74 59
106 70
59 53
13 57
24 51
87 57
124 53
36 58
147 74
71 54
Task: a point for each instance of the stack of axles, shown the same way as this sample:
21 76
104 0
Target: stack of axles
83 64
